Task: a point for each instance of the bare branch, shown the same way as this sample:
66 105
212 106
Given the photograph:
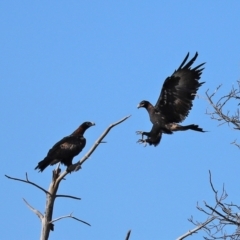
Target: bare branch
69 216
235 143
67 196
195 230
29 182
222 215
128 235
99 140
210 179
225 116
34 210
218 113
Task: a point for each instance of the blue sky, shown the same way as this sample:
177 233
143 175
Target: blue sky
65 62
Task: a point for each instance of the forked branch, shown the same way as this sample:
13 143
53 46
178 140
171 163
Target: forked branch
69 216
29 182
220 217
195 230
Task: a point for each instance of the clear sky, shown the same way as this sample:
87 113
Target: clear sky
65 62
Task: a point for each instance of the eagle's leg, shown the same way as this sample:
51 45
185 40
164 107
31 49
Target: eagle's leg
74 167
143 133
142 140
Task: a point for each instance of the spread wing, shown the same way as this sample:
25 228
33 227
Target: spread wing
178 91
67 147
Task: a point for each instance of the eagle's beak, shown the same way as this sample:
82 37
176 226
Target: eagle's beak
93 124
139 105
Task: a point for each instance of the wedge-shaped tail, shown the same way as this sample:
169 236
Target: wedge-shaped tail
177 127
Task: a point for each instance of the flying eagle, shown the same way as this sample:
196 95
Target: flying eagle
66 149
174 103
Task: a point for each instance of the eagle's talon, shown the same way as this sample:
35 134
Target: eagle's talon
142 141
140 133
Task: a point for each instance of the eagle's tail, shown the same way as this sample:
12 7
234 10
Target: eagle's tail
43 164
177 127
191 127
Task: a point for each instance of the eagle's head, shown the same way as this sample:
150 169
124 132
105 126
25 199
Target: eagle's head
143 104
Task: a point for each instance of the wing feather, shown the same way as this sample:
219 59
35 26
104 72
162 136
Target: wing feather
179 90
67 147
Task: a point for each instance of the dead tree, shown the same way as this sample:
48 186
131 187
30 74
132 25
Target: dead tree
220 112
223 219
51 193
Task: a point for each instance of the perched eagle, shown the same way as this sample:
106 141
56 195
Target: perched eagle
66 149
174 102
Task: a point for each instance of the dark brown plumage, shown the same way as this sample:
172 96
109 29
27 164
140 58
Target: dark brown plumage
174 102
66 149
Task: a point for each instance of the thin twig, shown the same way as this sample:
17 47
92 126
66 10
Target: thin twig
221 215
210 179
34 210
218 107
190 232
68 196
69 216
99 140
29 182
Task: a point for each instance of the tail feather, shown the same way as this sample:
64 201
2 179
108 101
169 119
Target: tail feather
191 127
177 127
43 164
